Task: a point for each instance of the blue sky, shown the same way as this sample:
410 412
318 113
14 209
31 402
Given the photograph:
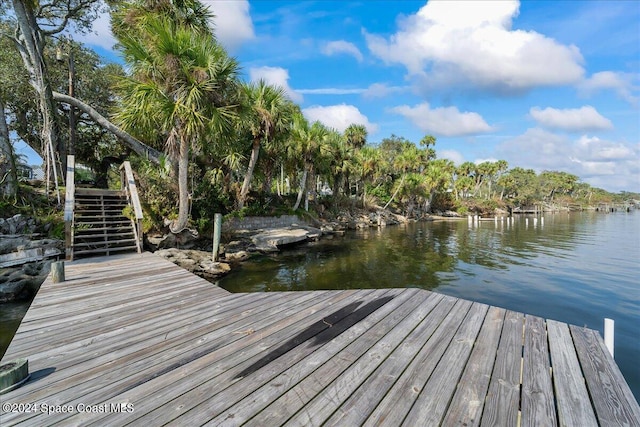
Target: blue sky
548 85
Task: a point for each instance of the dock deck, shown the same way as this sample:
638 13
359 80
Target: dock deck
136 339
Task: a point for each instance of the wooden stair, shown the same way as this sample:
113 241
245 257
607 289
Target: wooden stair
95 219
100 227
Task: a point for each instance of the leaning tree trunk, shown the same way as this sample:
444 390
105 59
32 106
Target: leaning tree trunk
138 147
31 47
183 187
301 190
247 178
8 173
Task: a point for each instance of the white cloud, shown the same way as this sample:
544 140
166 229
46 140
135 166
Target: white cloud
339 117
445 121
598 150
341 46
100 34
232 22
471 43
571 119
275 76
612 165
621 83
380 90
455 156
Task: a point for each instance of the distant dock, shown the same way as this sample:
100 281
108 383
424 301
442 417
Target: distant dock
136 339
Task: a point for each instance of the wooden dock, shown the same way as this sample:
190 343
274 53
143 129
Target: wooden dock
136 339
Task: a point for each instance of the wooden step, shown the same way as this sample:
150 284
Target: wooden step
85 205
105 221
98 192
102 231
106 243
78 254
85 237
105 217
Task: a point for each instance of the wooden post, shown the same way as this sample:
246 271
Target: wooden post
217 227
69 202
608 334
57 271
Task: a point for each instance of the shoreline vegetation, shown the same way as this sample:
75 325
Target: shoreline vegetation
203 140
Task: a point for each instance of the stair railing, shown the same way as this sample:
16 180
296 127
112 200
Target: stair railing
129 186
69 202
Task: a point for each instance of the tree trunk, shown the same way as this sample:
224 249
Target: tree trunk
8 173
247 178
138 147
183 187
395 192
268 176
301 190
31 46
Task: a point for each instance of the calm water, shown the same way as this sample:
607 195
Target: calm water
577 268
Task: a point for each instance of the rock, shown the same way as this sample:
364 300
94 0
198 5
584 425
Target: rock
23 281
186 239
198 262
16 250
268 241
236 256
17 224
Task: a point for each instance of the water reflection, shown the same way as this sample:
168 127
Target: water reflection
424 255
577 268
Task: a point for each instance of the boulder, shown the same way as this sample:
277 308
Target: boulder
270 240
23 281
197 262
235 257
186 239
16 250
17 224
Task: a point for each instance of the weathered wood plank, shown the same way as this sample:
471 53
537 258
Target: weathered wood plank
186 352
430 407
396 404
339 375
503 398
132 338
324 363
304 342
612 399
469 399
572 397
106 381
89 326
155 347
357 408
219 366
538 407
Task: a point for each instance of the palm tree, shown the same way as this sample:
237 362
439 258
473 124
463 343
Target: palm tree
369 159
306 143
356 136
182 83
439 173
341 156
267 114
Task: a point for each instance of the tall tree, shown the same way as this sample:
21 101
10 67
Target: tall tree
356 135
183 83
35 24
307 142
266 113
